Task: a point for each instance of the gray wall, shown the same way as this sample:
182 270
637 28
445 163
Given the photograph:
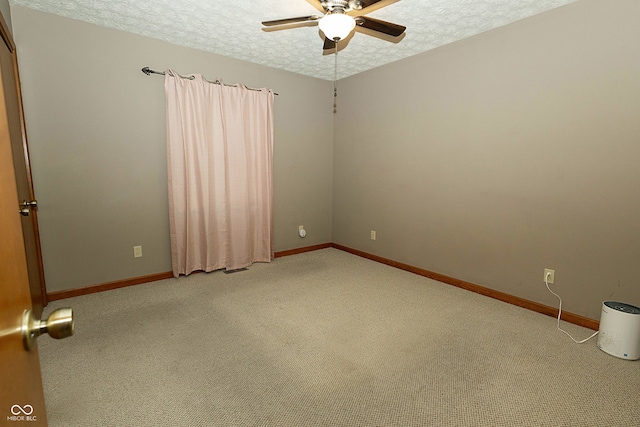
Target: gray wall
492 158
96 128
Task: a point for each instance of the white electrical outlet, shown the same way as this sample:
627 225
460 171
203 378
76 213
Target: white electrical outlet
551 274
137 251
373 234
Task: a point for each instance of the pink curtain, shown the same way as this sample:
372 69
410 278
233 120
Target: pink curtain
219 157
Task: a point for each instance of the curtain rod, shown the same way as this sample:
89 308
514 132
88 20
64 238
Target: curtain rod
148 71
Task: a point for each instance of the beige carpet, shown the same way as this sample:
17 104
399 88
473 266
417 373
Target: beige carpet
325 339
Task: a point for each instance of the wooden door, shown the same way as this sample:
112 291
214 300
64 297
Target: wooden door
21 394
22 166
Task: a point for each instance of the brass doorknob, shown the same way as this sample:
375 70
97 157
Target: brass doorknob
58 325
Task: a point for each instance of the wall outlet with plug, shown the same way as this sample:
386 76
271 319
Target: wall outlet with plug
549 276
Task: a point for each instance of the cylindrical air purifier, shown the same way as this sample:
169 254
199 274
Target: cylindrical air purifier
620 330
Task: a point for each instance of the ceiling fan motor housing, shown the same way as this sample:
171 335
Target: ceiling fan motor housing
341 6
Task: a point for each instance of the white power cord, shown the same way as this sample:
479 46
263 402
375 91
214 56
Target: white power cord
546 282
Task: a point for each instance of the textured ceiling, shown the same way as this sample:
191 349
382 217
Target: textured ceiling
233 28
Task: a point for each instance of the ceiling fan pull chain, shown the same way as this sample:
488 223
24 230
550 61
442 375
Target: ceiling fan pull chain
335 81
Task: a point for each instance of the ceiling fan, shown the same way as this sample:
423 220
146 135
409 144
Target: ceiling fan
340 17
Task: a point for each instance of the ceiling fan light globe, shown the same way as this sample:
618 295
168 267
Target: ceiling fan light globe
336 26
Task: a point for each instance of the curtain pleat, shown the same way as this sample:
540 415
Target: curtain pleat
219 159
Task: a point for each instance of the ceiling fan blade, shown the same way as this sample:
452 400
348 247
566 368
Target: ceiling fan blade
291 20
363 4
362 7
329 44
384 27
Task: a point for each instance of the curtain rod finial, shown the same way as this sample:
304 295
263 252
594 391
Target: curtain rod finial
147 71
